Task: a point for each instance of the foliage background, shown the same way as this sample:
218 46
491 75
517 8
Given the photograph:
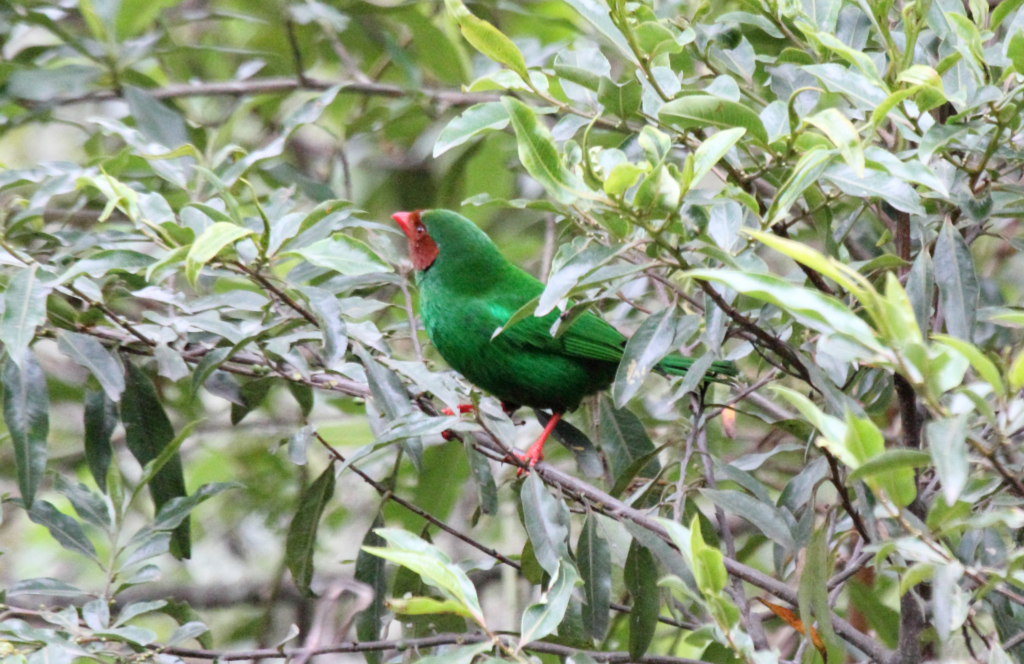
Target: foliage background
195 203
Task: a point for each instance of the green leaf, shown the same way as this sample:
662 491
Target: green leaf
764 517
594 560
541 619
623 439
888 461
899 322
148 432
1015 375
641 579
88 505
327 309
577 442
88 352
27 417
805 173
876 184
1001 11
167 454
921 289
301 540
712 150
947 443
830 427
486 489
985 368
957 281
862 443
421 606
621 178
620 100
487 39
708 562
861 92
651 342
24 310
856 58
370 570
490 115
546 524
811 308
157 121
598 16
700 111
813 595
100 421
435 567
343 254
843 135
63 528
391 397
539 156
103 263
209 244
1015 50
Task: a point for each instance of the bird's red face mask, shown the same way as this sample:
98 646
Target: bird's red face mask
422 248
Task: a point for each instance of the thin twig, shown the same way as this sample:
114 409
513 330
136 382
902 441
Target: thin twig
424 642
751 620
844 495
275 85
413 326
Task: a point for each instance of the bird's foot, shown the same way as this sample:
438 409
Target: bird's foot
448 434
532 456
536 451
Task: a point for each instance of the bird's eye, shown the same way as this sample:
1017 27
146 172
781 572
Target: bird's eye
420 230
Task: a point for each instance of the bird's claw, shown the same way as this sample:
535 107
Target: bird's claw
530 458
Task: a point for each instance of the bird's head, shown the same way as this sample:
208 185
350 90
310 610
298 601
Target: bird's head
422 248
448 235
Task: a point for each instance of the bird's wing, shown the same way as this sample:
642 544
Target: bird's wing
588 337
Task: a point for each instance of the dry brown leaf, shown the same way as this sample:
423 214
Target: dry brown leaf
793 621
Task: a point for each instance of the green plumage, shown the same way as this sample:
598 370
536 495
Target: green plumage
471 290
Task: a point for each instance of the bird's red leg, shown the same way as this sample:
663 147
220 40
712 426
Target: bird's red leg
536 451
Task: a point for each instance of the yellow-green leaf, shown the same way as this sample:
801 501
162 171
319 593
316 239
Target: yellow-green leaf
488 39
209 244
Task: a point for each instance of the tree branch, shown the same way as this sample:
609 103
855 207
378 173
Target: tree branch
424 642
275 86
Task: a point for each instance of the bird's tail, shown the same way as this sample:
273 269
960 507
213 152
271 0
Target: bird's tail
719 372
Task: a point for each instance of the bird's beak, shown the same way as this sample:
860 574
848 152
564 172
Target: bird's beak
405 221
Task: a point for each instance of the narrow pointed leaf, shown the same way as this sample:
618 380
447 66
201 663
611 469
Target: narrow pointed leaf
641 579
539 156
957 282
147 432
209 244
301 540
594 560
24 310
89 353
27 417
545 524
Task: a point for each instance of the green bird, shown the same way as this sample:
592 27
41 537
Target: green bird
468 290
